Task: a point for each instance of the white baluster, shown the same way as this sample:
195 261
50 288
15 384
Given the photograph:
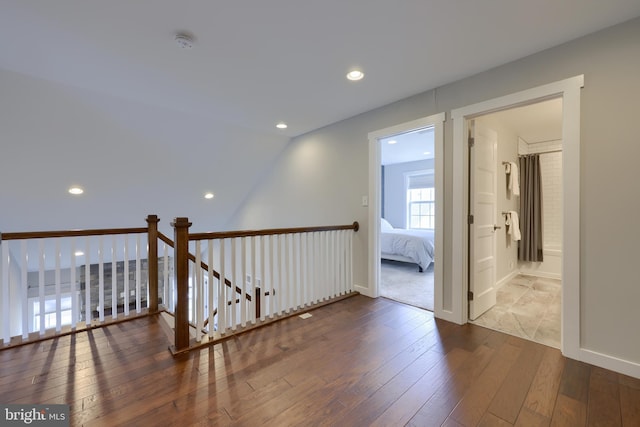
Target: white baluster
6 330
263 284
87 282
114 279
296 280
277 265
24 261
222 296
287 274
349 262
243 279
41 284
101 279
138 276
165 281
234 284
342 261
57 287
336 263
73 285
210 288
272 286
252 242
198 295
126 275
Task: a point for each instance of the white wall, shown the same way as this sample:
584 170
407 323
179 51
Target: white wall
395 194
329 189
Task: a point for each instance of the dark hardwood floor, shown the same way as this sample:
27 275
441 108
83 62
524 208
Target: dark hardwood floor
358 362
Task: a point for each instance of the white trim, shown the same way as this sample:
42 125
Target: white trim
569 90
609 362
436 121
506 279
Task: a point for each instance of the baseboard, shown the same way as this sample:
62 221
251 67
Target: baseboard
541 274
500 283
363 290
606 361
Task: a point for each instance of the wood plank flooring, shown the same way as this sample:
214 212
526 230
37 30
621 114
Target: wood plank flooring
358 362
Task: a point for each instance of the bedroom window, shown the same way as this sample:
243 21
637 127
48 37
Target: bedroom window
422 207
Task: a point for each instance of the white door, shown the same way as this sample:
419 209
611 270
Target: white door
482 231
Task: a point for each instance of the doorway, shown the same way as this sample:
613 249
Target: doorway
418 205
521 297
408 217
456 297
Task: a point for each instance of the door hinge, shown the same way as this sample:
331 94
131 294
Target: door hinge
470 219
471 141
470 295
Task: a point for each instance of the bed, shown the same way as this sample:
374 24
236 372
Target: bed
412 246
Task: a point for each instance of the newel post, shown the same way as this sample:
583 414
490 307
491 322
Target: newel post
181 255
152 240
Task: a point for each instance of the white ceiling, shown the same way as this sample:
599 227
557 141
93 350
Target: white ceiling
254 63
408 147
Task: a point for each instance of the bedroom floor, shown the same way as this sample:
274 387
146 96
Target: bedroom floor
401 281
527 307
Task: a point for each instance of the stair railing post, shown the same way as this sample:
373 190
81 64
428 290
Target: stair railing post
181 255
152 240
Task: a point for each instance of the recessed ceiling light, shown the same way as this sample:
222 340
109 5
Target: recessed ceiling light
76 190
281 125
79 253
208 196
355 75
393 141
426 153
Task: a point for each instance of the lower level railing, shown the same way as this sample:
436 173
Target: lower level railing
214 284
55 282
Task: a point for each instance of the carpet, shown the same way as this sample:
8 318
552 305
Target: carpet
402 282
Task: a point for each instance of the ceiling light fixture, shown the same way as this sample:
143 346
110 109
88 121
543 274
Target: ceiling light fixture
184 41
426 153
208 196
79 253
281 125
355 75
76 190
393 141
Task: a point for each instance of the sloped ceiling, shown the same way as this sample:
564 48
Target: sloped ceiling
98 93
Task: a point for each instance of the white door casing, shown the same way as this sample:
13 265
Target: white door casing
482 231
435 121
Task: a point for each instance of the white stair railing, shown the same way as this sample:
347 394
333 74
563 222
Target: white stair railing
257 276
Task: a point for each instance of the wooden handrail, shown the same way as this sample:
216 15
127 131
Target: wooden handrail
203 265
70 233
247 233
165 239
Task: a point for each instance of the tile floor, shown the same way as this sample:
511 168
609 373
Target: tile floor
528 307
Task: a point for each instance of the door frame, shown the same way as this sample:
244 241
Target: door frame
569 91
375 191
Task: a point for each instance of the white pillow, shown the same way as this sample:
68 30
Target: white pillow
384 225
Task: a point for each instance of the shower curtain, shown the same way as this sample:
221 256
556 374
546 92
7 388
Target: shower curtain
530 247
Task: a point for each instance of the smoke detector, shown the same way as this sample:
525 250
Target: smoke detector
184 41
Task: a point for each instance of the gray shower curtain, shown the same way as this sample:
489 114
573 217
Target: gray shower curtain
530 247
